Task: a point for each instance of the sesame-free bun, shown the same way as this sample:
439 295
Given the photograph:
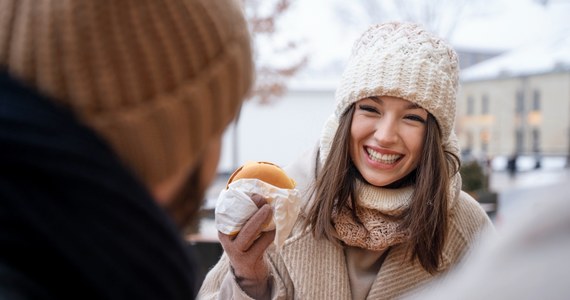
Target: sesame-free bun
264 171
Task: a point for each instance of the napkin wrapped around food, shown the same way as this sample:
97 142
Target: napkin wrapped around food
234 205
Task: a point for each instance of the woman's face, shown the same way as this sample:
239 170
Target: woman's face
387 136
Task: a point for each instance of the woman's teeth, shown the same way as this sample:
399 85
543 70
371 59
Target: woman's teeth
383 158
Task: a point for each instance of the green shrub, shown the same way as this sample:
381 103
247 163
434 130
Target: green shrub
474 179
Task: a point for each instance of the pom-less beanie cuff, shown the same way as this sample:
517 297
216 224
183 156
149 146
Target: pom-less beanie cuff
156 79
400 60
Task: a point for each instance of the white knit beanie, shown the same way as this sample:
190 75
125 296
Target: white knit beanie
400 60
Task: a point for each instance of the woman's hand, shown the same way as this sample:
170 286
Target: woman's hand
246 251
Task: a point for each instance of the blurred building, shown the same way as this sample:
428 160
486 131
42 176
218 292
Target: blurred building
518 102
472 56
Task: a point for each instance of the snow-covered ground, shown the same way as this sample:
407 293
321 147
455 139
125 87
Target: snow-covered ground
528 162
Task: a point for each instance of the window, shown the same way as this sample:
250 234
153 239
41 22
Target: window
484 147
536 100
485 137
536 140
519 141
469 140
470 105
520 102
485 104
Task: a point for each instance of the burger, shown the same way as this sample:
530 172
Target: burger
234 206
265 171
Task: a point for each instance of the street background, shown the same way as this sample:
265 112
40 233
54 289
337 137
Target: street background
527 190
515 194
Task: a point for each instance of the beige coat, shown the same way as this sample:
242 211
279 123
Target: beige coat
307 268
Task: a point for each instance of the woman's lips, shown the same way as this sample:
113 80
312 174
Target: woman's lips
384 157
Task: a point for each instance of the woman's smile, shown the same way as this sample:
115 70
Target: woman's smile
384 159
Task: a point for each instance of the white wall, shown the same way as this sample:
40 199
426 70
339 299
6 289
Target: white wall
278 132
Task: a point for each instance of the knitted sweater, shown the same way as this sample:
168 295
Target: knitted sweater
307 268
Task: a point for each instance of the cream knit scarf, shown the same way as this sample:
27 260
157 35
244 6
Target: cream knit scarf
374 232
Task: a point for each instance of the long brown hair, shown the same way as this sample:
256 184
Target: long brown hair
425 218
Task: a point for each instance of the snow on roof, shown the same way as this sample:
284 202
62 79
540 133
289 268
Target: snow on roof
543 56
546 50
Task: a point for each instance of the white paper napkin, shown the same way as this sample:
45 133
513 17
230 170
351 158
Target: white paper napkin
234 207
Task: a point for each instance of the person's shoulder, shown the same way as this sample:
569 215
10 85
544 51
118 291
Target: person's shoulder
465 205
467 218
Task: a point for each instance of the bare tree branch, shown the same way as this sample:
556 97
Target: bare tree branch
271 80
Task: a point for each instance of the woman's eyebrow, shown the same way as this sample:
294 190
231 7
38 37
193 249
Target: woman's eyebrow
376 99
413 106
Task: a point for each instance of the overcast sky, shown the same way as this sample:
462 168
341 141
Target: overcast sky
327 28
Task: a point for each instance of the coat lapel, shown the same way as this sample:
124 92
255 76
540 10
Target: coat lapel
397 276
316 267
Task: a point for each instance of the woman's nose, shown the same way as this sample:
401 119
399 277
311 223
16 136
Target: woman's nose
386 132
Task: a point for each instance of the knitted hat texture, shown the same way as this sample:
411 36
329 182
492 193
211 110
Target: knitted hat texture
156 79
400 60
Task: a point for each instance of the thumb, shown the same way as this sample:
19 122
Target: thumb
258 200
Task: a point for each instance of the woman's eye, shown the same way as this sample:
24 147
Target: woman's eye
368 108
416 118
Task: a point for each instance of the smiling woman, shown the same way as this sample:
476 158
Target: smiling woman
383 211
387 136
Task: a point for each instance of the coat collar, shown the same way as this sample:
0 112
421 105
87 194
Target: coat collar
318 270
316 267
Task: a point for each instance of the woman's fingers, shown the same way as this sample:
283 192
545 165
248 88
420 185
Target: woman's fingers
262 242
258 200
252 232
252 229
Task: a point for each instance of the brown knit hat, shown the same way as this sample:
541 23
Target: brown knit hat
156 79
